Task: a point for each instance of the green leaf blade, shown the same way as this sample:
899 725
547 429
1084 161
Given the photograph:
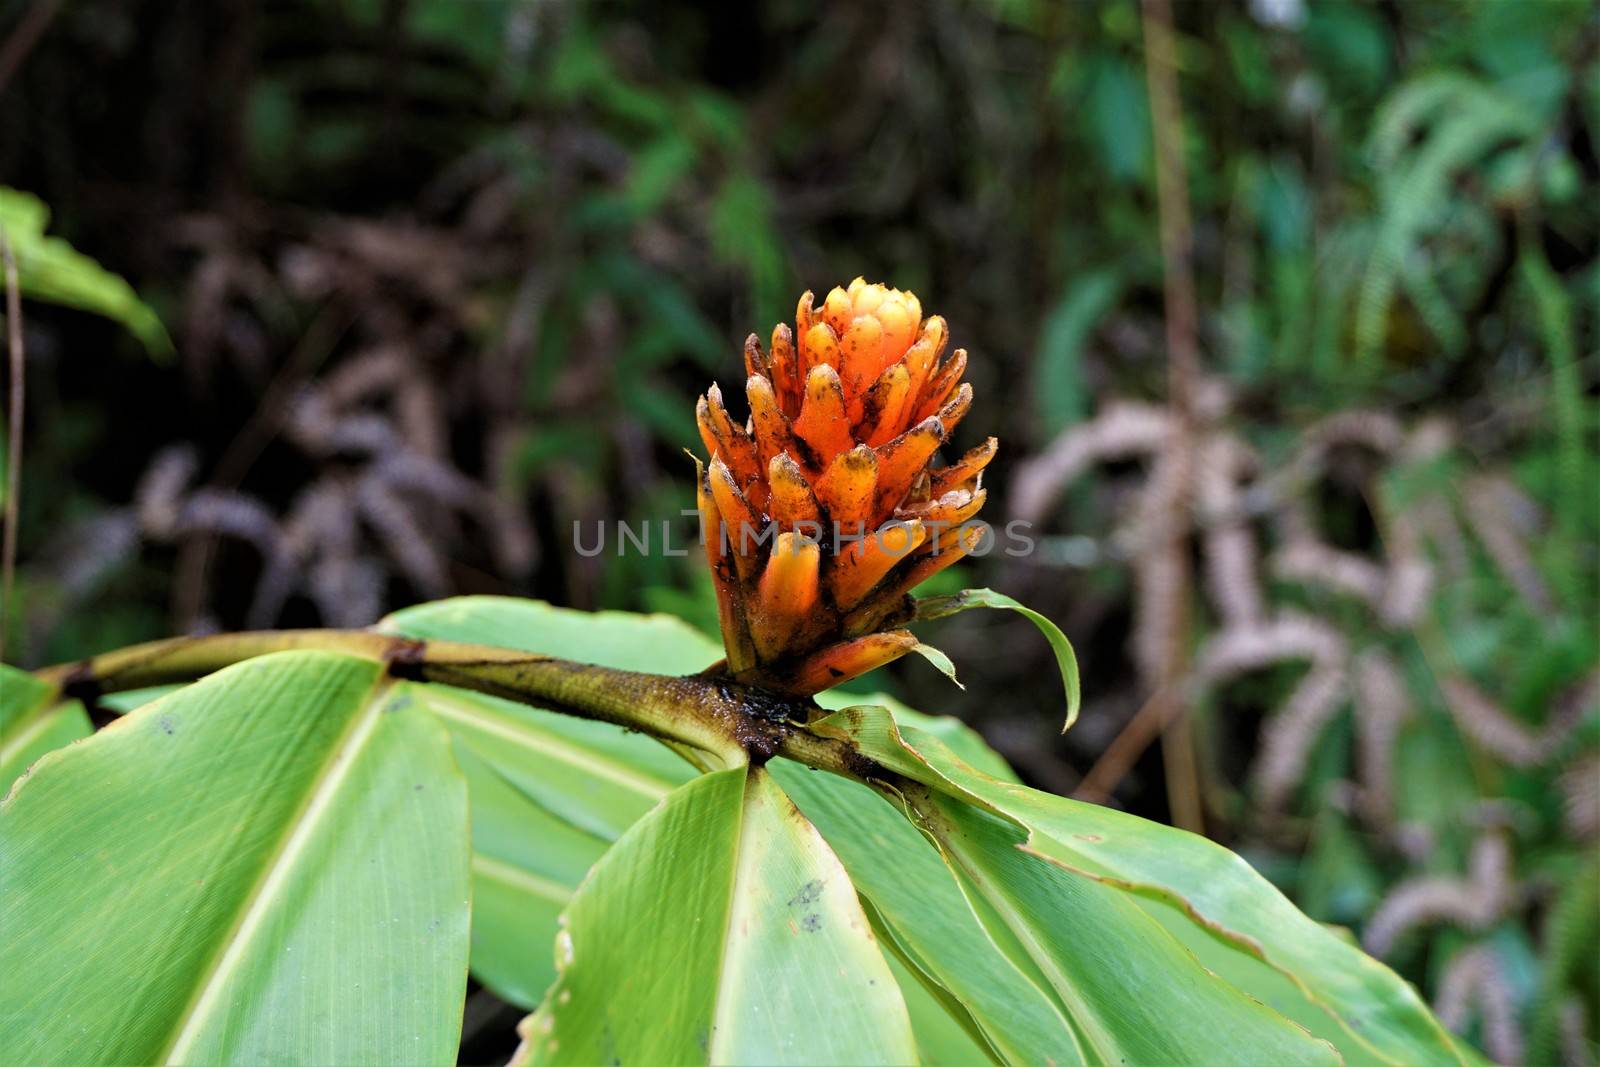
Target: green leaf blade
267 865
653 911
723 919
33 722
901 873
803 981
1132 992
1378 1014
1066 660
50 269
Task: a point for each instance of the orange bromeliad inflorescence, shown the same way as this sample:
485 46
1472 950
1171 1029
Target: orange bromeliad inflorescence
824 509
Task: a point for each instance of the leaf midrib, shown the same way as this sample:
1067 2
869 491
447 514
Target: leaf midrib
275 871
1063 986
510 874
722 1026
447 706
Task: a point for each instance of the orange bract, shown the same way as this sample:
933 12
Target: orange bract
824 509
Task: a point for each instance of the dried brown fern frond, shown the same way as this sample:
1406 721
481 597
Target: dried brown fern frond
1382 707
1502 517
1474 983
1158 572
1123 430
1228 542
1310 562
1473 902
378 506
1293 729
1577 1049
1289 637
1580 796
1409 577
1491 727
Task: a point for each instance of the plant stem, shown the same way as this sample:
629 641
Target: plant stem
1183 379
14 413
734 723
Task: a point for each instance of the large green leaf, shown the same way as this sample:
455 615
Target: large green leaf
722 928
941 1041
267 866
1133 994
549 793
592 775
799 949
719 928
526 863
917 897
1020 944
33 722
1378 1013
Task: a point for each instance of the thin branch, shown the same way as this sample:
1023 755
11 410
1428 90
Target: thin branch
8 544
22 40
1118 759
1183 369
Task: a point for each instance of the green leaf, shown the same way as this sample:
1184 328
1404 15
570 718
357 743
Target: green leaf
49 269
549 793
33 722
1119 118
1377 1012
941 1041
1416 185
721 928
659 644
938 607
917 897
526 864
1132 992
940 661
591 775
962 739
268 866
1060 395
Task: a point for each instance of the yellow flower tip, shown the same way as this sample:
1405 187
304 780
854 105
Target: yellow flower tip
848 488
792 499
847 412
839 663
863 563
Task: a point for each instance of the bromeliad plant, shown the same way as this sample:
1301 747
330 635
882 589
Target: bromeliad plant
268 857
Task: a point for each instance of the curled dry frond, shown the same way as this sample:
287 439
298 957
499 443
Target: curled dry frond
1473 902
1382 707
1474 982
1293 730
